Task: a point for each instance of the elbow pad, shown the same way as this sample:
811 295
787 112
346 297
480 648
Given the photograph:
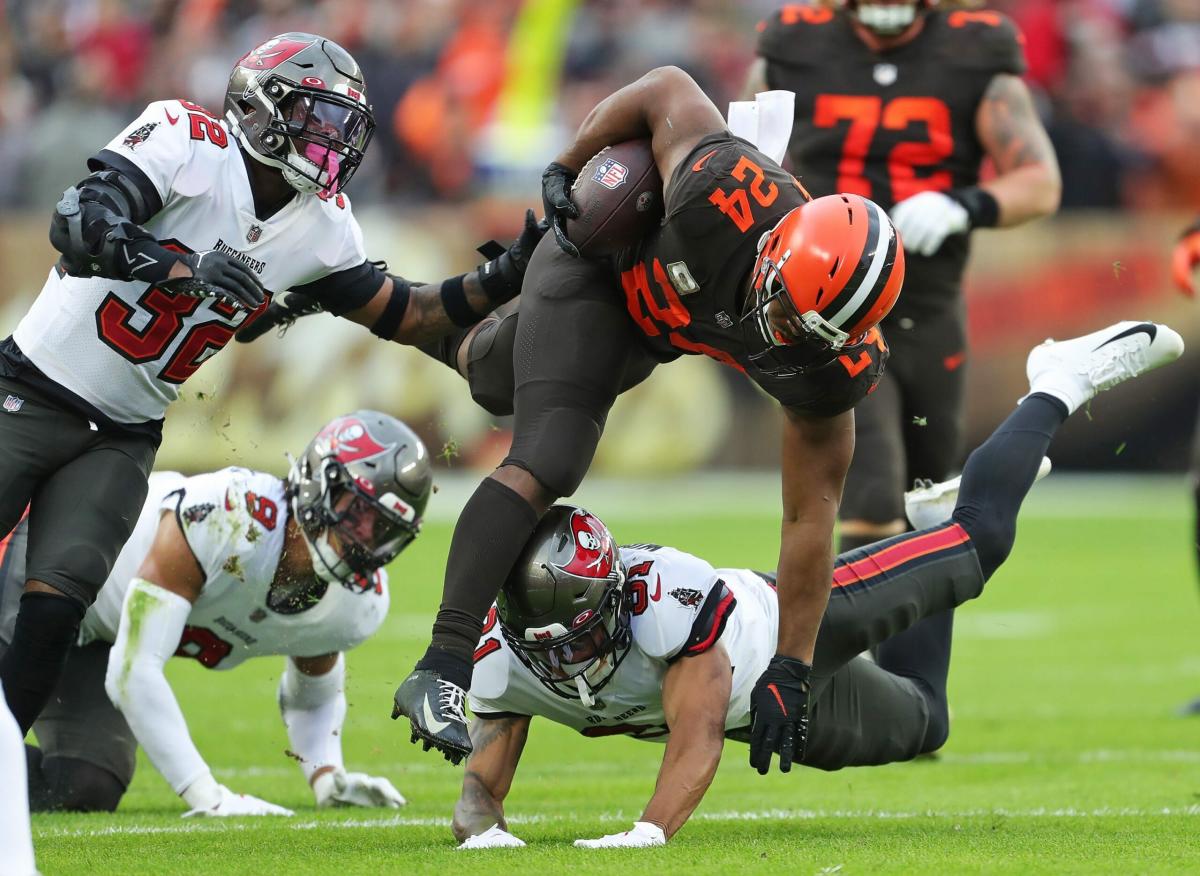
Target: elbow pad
96 228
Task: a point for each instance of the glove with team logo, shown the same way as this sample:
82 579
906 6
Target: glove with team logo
1185 259
340 788
556 199
217 275
643 835
207 797
926 219
495 837
779 712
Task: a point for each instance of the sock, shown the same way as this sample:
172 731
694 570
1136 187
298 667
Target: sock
16 846
47 626
489 536
999 473
922 653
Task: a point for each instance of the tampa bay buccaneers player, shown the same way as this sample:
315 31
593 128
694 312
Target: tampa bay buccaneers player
168 246
223 567
742 269
1184 260
901 101
654 643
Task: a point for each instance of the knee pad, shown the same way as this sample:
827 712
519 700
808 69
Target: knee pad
490 365
75 785
992 535
559 450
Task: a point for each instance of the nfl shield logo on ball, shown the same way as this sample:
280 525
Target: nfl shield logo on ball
12 404
254 234
610 174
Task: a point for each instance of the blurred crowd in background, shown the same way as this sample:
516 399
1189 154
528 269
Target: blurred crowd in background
472 97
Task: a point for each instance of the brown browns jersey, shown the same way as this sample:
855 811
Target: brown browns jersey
887 125
685 284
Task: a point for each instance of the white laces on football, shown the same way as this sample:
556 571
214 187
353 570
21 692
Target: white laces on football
451 700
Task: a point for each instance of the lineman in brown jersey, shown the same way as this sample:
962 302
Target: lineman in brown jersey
740 271
901 102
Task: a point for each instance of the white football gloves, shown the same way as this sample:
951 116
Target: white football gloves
642 836
207 797
495 837
926 219
340 788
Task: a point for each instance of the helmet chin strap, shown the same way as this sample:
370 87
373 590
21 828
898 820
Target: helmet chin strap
585 695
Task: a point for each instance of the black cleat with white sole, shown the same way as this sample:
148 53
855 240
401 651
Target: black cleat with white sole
434 707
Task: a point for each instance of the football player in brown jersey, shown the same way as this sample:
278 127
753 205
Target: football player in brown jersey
743 269
901 101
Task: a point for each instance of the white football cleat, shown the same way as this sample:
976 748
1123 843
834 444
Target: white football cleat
1074 370
929 504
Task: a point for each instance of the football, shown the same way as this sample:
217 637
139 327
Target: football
619 193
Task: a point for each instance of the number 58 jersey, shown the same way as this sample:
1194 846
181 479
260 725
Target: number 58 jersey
126 347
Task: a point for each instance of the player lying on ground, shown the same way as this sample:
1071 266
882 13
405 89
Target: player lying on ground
222 567
655 643
173 242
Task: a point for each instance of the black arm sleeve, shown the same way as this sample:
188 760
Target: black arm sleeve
347 290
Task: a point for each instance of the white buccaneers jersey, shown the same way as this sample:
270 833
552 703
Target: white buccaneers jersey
234 521
680 605
126 347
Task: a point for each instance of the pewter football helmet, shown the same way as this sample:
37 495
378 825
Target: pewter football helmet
358 492
562 609
298 103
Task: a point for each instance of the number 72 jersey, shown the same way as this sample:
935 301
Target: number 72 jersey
685 285
126 347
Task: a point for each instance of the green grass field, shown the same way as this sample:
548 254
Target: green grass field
1065 755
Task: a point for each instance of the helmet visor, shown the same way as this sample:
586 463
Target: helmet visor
326 119
371 532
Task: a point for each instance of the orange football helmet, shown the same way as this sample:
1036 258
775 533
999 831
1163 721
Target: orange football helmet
826 273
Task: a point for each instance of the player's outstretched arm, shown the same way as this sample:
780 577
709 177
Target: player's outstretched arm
816 455
408 312
1027 184
312 701
479 813
695 695
153 616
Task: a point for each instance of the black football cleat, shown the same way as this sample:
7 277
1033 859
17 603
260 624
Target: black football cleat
434 707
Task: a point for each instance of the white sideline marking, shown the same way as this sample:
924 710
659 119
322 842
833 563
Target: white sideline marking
730 815
398 770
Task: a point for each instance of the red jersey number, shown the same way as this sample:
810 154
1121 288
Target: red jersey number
866 114
201 643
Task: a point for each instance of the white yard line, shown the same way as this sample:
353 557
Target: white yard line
720 816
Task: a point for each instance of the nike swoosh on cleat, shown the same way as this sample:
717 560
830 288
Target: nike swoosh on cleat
1148 327
431 722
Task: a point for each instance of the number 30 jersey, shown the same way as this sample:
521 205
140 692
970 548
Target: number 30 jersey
685 284
234 522
680 606
126 347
